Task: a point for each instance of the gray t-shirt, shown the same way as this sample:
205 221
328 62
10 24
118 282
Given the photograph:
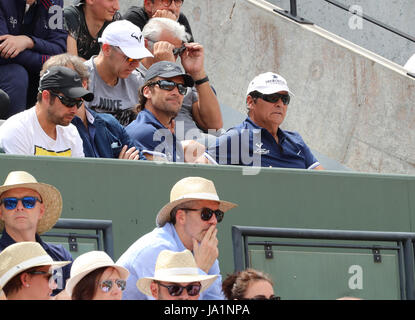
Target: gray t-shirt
119 100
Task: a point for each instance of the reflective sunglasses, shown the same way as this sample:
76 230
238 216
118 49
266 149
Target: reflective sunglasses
167 3
261 297
169 86
68 102
176 290
27 202
207 213
274 97
106 285
127 59
179 51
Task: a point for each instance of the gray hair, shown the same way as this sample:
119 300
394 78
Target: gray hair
155 26
67 60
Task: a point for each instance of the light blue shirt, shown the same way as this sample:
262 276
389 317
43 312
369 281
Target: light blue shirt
140 259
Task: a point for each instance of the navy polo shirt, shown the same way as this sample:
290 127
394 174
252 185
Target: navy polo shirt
251 145
150 136
56 252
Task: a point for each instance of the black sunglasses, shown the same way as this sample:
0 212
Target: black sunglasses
47 274
106 285
207 213
179 51
169 86
68 102
176 289
261 297
27 202
273 97
167 3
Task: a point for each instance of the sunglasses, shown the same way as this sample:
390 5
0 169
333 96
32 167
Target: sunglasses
207 213
179 51
167 3
274 97
176 290
261 297
68 102
48 274
169 86
27 202
106 285
127 59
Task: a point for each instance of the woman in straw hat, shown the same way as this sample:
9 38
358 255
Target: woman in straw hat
26 272
95 276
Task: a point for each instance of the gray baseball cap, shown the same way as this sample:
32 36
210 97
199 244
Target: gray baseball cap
167 69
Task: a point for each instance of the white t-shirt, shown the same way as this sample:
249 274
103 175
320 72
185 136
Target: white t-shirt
22 134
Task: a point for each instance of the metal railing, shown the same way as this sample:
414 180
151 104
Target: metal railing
404 246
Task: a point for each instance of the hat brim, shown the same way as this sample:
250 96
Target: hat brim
51 198
163 215
77 92
143 284
188 80
73 281
136 52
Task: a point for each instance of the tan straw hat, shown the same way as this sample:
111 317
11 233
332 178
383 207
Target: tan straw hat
89 262
51 197
22 256
187 189
178 267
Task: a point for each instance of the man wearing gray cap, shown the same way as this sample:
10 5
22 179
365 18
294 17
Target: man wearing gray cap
46 128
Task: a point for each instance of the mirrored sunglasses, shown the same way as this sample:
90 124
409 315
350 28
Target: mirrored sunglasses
206 213
169 86
106 285
176 290
68 102
27 202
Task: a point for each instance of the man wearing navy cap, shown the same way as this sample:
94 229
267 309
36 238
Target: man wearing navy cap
46 128
259 141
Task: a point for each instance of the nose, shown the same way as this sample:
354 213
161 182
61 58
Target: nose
19 205
116 5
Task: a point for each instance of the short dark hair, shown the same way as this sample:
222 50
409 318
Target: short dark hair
15 284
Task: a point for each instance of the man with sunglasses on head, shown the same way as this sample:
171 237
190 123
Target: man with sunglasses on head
259 141
28 209
46 129
189 221
114 79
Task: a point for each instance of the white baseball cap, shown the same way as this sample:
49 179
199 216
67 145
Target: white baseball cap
268 83
127 36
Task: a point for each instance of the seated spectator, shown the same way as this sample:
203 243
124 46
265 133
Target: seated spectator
29 35
114 79
102 135
259 141
249 284
176 277
4 105
46 128
95 276
158 9
200 110
160 99
41 203
410 64
85 21
26 272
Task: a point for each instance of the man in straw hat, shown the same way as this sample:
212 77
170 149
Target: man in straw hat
27 209
176 277
188 221
26 272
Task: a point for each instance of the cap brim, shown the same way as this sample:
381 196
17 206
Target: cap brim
188 80
77 92
136 52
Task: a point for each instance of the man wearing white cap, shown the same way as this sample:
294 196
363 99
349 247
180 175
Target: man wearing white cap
189 221
259 140
27 209
113 76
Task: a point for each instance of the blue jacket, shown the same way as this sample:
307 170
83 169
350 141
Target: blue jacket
105 136
36 24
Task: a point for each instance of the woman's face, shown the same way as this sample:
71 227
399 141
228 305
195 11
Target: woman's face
108 285
39 284
259 288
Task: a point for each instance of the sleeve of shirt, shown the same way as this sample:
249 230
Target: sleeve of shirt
214 292
72 21
310 160
221 151
14 138
78 145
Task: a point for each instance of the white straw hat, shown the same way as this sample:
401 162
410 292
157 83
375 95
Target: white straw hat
178 267
22 256
51 197
187 189
89 262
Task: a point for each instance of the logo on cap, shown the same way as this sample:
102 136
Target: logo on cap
135 36
169 67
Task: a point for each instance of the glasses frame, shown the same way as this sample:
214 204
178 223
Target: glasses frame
167 3
16 201
180 289
273 97
207 213
127 59
164 85
261 297
120 283
179 51
67 102
50 274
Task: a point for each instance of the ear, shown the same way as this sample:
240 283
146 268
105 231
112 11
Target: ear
46 95
147 92
24 279
249 101
154 290
180 217
106 49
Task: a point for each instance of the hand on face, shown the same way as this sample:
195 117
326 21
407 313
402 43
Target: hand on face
206 252
163 51
193 60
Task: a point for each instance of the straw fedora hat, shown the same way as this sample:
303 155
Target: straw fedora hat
89 262
177 267
51 197
22 256
187 189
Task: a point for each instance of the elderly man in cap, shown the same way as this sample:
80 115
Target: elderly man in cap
176 277
26 272
46 128
259 141
113 75
27 209
189 221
